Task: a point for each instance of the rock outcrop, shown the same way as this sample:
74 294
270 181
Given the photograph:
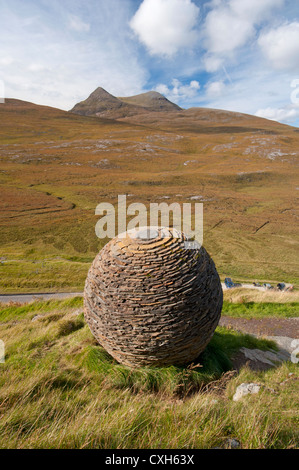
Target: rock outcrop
102 104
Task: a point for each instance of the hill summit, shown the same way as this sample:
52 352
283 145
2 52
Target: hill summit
151 100
102 104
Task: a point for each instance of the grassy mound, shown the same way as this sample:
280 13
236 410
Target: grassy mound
59 389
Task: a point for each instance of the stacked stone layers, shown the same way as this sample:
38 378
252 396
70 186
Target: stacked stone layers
152 301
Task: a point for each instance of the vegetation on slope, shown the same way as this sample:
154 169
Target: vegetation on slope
58 166
261 310
59 389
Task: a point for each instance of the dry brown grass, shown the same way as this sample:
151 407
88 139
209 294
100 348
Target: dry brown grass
56 167
240 295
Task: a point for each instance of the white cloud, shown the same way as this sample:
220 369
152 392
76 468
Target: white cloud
252 89
76 24
6 61
215 89
36 67
281 46
230 25
287 114
179 92
212 63
165 26
226 31
254 10
163 89
73 62
46 63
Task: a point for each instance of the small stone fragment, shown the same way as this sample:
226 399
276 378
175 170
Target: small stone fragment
233 443
246 389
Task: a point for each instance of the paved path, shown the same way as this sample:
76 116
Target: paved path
246 286
266 326
25 298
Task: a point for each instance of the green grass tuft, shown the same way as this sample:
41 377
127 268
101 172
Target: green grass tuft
261 309
213 362
69 326
60 389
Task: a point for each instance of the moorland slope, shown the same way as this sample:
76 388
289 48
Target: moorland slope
56 166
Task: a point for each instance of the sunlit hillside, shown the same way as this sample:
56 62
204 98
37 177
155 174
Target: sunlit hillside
57 166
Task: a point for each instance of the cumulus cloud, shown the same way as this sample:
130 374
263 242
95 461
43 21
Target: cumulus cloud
226 31
254 10
287 114
179 92
90 44
230 25
281 46
165 26
215 89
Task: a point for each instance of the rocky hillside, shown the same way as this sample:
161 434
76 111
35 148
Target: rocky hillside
102 104
152 100
56 166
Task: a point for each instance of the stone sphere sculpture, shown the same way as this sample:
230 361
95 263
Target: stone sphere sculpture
149 300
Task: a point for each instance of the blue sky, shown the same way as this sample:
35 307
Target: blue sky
240 55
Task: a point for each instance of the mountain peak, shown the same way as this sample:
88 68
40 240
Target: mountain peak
97 103
101 103
152 100
153 94
101 93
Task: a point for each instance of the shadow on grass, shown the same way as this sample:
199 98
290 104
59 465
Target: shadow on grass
174 380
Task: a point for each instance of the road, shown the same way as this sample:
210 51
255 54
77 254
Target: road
25 298
245 286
